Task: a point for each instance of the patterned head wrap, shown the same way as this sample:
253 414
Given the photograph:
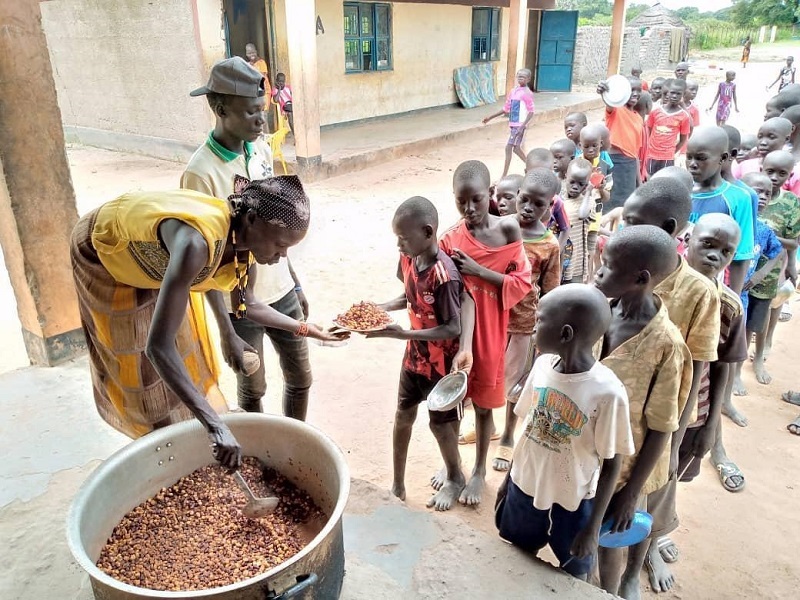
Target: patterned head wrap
280 201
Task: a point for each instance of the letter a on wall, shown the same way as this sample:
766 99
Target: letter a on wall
320 26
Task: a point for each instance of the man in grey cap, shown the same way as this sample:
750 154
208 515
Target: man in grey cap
236 94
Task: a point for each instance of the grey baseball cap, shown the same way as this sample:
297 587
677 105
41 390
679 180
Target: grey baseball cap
233 77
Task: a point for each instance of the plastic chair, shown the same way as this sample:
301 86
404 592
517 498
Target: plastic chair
277 139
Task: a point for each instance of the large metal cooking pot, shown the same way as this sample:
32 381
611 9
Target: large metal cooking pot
137 472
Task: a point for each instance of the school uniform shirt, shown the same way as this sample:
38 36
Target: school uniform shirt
544 255
732 346
730 200
572 423
664 129
782 216
519 104
656 368
692 302
211 170
434 298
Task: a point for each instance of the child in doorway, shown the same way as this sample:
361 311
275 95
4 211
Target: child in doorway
489 254
646 351
577 430
581 214
519 108
255 61
433 288
541 247
785 76
668 127
282 94
725 96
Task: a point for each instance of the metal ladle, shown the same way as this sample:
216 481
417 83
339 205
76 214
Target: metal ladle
256 507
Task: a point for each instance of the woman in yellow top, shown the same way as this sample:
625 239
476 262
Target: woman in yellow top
135 261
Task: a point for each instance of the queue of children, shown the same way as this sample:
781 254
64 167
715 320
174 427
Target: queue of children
607 298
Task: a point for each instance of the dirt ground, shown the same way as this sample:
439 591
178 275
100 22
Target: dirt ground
732 546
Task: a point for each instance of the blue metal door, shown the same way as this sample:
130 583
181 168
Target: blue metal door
556 50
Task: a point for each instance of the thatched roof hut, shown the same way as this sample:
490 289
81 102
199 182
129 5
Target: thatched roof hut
657 16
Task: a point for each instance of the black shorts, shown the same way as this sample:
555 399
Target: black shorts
414 389
522 524
758 310
655 165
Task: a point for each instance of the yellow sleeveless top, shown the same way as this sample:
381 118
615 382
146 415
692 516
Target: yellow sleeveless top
125 236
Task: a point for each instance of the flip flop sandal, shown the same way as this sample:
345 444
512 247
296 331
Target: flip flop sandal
726 472
662 544
471 436
794 427
504 453
786 314
791 397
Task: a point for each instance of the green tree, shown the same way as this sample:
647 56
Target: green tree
634 10
754 13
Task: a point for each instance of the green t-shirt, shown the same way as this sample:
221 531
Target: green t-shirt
782 214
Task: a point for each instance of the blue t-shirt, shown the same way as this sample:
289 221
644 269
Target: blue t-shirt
753 200
767 247
730 200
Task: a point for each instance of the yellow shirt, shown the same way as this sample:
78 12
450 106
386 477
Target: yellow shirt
693 304
125 237
656 368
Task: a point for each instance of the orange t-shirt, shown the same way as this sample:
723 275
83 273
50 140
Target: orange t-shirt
627 130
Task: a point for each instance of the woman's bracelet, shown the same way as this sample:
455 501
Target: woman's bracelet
302 330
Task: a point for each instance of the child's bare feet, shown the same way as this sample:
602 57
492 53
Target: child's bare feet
439 478
661 578
794 426
730 411
473 492
761 373
399 490
446 497
739 388
630 589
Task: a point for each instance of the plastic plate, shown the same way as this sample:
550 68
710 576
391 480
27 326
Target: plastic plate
619 91
640 529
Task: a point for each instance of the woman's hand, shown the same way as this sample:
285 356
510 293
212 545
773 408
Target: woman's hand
466 264
224 447
233 348
333 334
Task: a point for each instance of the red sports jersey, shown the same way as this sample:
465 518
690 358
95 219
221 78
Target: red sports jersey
434 298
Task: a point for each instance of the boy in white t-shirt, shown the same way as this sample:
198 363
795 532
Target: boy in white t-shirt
577 429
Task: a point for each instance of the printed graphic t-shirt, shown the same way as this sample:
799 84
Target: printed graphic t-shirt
519 105
572 423
434 298
664 130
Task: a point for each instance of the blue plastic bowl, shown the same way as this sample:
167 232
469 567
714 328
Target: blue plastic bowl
638 532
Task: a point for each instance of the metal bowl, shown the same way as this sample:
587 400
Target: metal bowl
448 392
138 471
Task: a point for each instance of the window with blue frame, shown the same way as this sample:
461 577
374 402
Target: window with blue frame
367 37
485 34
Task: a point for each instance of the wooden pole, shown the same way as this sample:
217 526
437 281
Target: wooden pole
517 31
617 33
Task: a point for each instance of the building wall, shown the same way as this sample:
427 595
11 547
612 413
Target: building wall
428 42
127 66
651 53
